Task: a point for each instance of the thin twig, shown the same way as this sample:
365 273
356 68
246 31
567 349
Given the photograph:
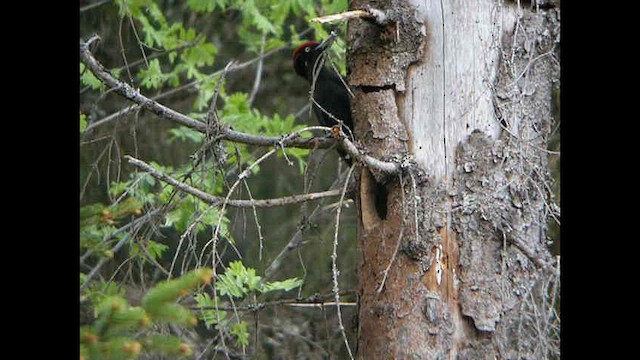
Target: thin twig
188 231
91 6
191 84
334 266
315 300
370 13
134 95
216 200
296 239
341 16
241 176
293 243
95 168
141 44
122 50
103 261
255 216
132 225
158 54
211 114
328 303
256 81
95 37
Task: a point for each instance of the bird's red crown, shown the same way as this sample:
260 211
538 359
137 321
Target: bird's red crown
301 47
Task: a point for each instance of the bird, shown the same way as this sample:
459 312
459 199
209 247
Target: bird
329 92
331 101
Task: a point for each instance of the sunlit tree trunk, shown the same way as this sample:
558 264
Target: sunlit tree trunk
454 251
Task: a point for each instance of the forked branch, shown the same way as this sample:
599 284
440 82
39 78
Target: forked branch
215 200
226 133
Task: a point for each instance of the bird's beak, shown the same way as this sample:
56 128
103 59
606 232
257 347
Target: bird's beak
326 43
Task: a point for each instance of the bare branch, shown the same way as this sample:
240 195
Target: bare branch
255 216
293 243
134 95
91 6
160 53
378 16
315 300
95 37
258 77
291 140
341 16
372 163
186 86
215 200
334 266
296 239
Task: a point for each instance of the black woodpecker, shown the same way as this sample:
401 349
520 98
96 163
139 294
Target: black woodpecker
330 96
331 100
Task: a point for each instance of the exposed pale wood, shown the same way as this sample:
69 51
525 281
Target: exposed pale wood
448 94
341 16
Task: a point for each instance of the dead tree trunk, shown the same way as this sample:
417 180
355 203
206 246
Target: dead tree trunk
454 257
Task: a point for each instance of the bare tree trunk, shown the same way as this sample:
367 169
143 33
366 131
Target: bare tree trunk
454 257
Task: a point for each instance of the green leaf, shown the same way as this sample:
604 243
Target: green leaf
87 212
202 5
156 249
285 285
88 79
239 330
156 14
168 345
210 317
228 286
133 7
184 133
117 188
152 36
170 290
173 313
206 90
262 23
139 186
128 318
237 113
91 236
238 280
83 122
200 55
110 304
152 77
183 214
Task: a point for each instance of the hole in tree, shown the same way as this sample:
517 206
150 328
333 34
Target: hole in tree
380 198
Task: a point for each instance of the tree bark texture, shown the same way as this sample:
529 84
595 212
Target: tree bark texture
454 262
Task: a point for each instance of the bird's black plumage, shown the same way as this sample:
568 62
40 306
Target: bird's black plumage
330 96
331 101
